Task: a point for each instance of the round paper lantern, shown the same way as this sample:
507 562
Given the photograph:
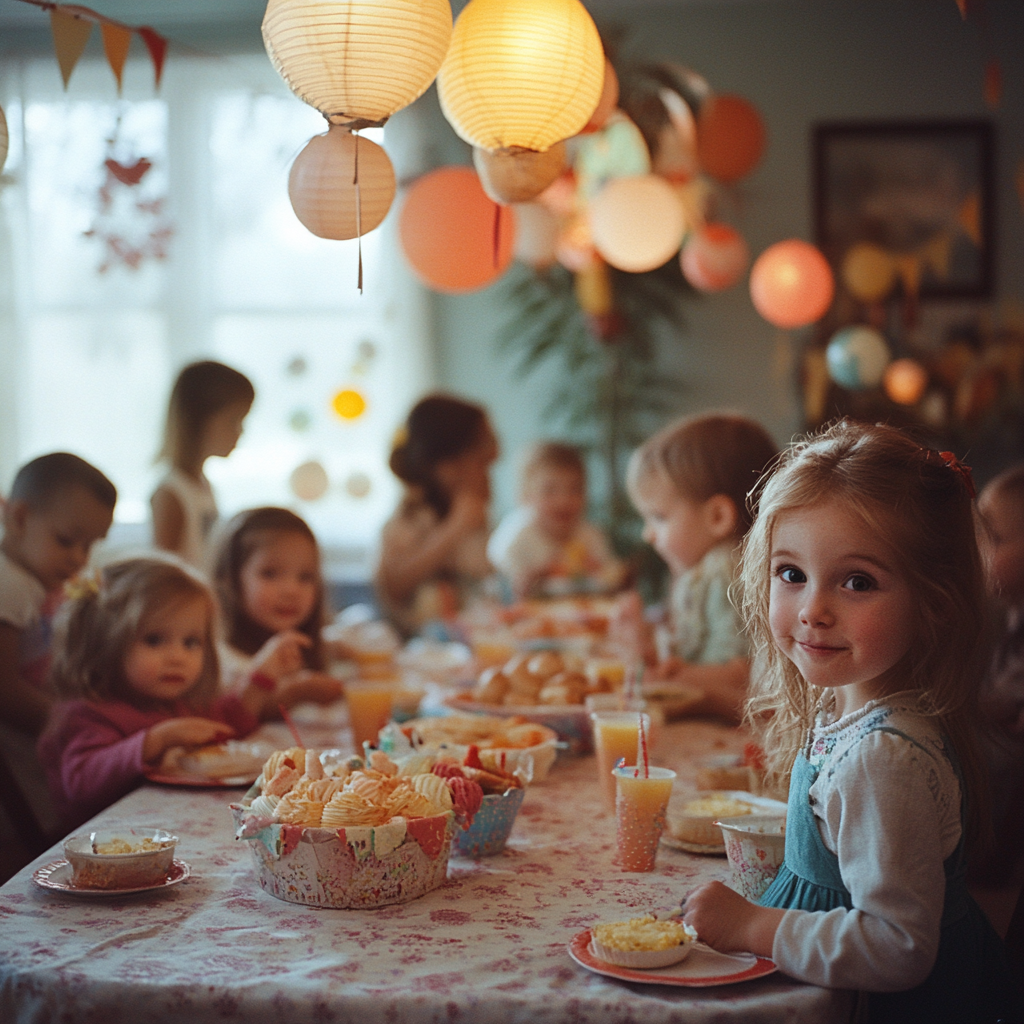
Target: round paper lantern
617 151
447 228
323 195
730 137
3 138
309 481
675 155
857 357
536 235
637 222
575 246
791 283
518 175
358 485
524 73
357 60
607 103
905 381
869 272
714 257
349 404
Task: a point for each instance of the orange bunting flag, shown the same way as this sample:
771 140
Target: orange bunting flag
70 34
962 4
157 46
993 84
116 40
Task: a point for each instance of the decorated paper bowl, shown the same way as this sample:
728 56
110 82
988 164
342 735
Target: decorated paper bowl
755 845
120 858
491 826
359 867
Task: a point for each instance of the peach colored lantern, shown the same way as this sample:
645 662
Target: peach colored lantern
637 222
309 481
357 61
3 138
869 272
517 176
323 191
536 235
521 73
905 381
791 283
730 137
714 257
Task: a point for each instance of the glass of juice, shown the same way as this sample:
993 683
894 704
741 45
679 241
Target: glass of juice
640 806
616 736
369 708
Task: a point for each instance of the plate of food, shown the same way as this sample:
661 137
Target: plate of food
219 765
58 876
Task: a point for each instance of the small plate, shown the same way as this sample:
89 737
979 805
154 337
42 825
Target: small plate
200 781
715 850
701 969
57 875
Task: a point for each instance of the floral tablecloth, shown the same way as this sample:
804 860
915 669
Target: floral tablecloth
488 946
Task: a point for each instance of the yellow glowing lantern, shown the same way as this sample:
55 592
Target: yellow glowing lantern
637 222
357 61
324 194
521 73
3 138
349 404
905 381
869 272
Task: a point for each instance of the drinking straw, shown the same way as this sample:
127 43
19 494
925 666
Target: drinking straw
291 726
642 752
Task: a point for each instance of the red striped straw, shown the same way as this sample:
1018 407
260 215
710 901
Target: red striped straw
291 726
643 748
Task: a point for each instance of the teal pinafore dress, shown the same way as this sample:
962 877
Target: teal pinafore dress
970 980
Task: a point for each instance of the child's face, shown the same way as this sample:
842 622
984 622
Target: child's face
1002 543
839 608
557 497
281 581
53 543
223 430
166 658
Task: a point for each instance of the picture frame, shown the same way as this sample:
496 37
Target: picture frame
919 191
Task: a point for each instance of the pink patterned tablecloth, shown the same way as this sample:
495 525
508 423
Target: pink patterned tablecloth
488 946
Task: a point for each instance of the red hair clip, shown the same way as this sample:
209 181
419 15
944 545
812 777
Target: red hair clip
963 471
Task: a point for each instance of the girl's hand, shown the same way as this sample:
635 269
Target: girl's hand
670 669
726 921
281 655
182 732
318 687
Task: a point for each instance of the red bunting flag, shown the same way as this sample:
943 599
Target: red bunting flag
157 46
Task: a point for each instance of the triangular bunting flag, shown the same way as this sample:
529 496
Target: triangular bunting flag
157 46
70 34
116 40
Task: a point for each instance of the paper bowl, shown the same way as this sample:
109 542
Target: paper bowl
92 870
492 825
756 846
349 868
642 959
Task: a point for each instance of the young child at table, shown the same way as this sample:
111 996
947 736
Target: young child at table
134 656
271 592
863 590
208 403
690 483
546 548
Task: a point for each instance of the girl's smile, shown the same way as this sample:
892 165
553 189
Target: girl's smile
280 581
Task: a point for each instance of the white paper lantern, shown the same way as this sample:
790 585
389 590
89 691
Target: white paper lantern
309 481
322 191
637 222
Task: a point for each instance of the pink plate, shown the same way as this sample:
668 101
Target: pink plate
200 781
57 875
701 969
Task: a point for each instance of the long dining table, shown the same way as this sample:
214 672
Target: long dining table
489 945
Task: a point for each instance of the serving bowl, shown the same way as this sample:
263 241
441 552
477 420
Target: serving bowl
120 858
492 825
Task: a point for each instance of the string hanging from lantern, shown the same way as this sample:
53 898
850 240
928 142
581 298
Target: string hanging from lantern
359 215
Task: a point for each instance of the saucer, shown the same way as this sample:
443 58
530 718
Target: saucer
57 876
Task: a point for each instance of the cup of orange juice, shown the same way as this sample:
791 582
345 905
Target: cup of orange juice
616 737
369 708
640 806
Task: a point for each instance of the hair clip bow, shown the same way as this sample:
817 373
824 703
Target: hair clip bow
963 471
81 587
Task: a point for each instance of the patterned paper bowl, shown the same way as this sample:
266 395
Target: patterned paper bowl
491 826
97 860
756 846
348 868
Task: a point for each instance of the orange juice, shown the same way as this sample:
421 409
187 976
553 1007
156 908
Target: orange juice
369 708
616 736
640 806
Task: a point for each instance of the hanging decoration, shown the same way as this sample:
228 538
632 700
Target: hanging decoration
791 284
326 193
536 236
637 222
905 381
309 481
714 257
454 236
518 177
869 272
358 485
349 404
608 101
857 357
730 137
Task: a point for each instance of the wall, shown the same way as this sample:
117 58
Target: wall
801 62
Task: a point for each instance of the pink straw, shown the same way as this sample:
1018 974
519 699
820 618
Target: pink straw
643 747
291 726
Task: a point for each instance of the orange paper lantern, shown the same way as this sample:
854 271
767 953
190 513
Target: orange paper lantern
730 137
322 191
447 227
607 103
714 257
791 284
637 222
905 381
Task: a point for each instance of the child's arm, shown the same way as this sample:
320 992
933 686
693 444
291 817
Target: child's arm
724 686
168 520
22 705
726 921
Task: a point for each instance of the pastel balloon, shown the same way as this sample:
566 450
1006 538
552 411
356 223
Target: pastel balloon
730 137
618 150
714 257
349 404
791 284
905 381
637 222
857 357
309 481
869 272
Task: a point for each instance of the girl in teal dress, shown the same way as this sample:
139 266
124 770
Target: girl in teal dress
863 594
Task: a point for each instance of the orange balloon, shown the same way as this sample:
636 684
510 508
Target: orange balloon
791 283
730 137
447 228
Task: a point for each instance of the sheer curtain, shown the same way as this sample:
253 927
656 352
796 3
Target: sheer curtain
88 352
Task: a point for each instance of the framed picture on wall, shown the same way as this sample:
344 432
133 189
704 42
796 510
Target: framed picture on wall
911 200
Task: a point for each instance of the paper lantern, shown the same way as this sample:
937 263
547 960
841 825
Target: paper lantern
607 103
3 138
536 235
357 61
857 357
905 381
349 404
358 485
322 191
730 137
575 246
448 227
791 283
617 151
524 73
309 481
637 222
675 153
869 272
519 175
714 257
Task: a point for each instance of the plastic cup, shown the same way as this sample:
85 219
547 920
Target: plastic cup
369 708
640 806
616 736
